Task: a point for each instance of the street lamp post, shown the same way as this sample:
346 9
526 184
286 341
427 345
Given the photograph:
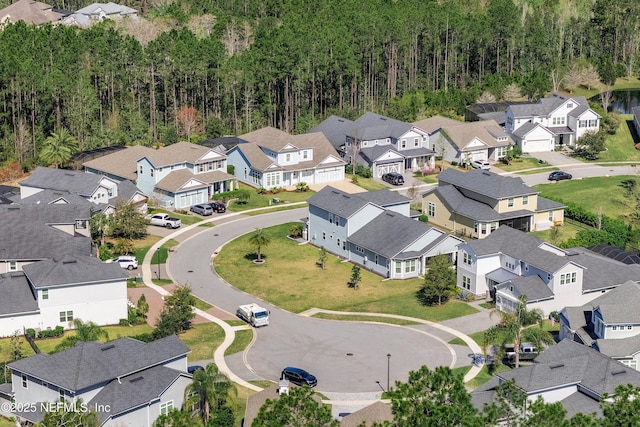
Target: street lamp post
158 261
388 366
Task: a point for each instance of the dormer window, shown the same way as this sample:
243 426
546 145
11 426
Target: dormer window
288 157
305 154
570 105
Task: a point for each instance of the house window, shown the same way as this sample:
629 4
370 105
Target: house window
431 209
288 157
110 192
166 407
614 328
570 105
510 264
61 395
551 216
525 200
330 218
510 202
593 123
359 249
338 242
66 316
24 381
81 224
567 278
416 142
548 276
398 267
305 154
324 236
410 266
45 294
632 363
376 259
13 265
475 227
483 229
629 327
466 282
245 174
494 226
582 123
558 120
151 172
140 172
466 258
337 220
403 143
273 179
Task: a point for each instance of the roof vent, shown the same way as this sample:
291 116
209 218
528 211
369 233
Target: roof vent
108 347
621 371
557 365
136 379
69 261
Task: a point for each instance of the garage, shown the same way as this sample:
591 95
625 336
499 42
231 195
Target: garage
386 168
536 145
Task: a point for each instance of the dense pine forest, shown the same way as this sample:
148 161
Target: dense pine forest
289 63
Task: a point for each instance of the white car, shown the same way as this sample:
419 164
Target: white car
125 261
480 164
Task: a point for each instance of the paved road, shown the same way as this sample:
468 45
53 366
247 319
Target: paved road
346 356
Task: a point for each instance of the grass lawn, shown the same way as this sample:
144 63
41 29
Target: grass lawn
485 376
291 280
241 341
567 231
368 184
359 318
581 192
620 146
143 246
202 305
264 200
521 164
5 422
202 339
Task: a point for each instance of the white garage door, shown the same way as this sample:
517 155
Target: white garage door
536 146
391 167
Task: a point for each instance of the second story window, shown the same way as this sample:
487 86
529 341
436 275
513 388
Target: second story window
140 171
288 157
510 202
151 172
466 258
525 200
45 294
13 265
431 209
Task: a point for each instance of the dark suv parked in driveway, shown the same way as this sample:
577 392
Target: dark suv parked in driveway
218 207
299 376
393 178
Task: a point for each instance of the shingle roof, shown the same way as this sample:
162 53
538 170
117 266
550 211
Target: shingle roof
548 205
372 126
344 204
581 403
602 272
17 296
531 286
109 8
486 183
175 181
50 196
63 180
72 270
506 240
180 152
384 198
463 133
434 123
334 129
464 206
377 412
619 347
526 128
133 391
90 363
126 190
29 11
371 154
620 305
27 231
122 163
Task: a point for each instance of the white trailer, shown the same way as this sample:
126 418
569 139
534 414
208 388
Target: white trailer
253 314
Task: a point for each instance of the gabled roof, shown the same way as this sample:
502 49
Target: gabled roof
371 126
108 8
122 163
434 123
17 296
531 286
29 11
84 184
176 180
486 183
126 191
334 128
72 270
88 364
384 197
619 347
27 231
371 154
180 152
506 240
620 305
462 134
53 196
133 391
602 272
344 204
377 412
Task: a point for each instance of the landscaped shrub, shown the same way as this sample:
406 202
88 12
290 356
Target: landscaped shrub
454 163
363 171
123 322
51 333
262 190
31 333
302 187
147 337
423 218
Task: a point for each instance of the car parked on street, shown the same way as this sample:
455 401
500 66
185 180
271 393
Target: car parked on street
218 207
299 376
204 210
559 176
393 178
480 164
125 261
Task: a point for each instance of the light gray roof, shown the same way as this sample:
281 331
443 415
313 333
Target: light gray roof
371 154
108 8
17 296
506 240
126 190
602 272
63 180
133 391
486 183
344 204
28 231
548 205
72 270
88 364
334 129
619 347
371 126
54 196
384 197
620 305
581 403
531 286
526 128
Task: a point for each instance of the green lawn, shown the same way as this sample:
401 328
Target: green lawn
291 280
620 146
143 246
521 164
610 195
567 231
241 341
202 339
264 200
360 318
368 184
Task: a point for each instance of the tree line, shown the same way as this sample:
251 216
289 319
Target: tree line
242 65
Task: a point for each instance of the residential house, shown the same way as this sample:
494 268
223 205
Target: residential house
381 143
477 202
31 12
374 414
463 143
554 121
609 323
373 229
98 12
271 393
35 232
577 376
176 176
126 381
270 158
509 264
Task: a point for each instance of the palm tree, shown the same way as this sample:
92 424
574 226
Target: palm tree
259 239
58 148
89 331
209 392
518 326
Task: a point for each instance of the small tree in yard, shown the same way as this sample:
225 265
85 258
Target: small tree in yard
259 239
177 313
439 282
128 222
143 306
355 277
323 257
295 230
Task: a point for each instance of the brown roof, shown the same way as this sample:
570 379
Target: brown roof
29 11
375 413
176 180
434 123
255 401
269 137
178 153
486 131
122 163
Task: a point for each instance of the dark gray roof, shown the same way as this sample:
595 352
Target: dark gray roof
548 205
531 286
525 129
390 233
486 183
54 196
384 198
88 364
27 231
126 190
616 253
372 126
619 347
64 180
334 129
506 240
464 206
133 391
371 154
602 272
344 204
17 296
581 403
72 270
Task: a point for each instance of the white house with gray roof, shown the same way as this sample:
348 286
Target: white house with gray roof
609 323
576 376
373 229
475 203
380 143
270 158
126 381
552 122
54 292
509 264
98 12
